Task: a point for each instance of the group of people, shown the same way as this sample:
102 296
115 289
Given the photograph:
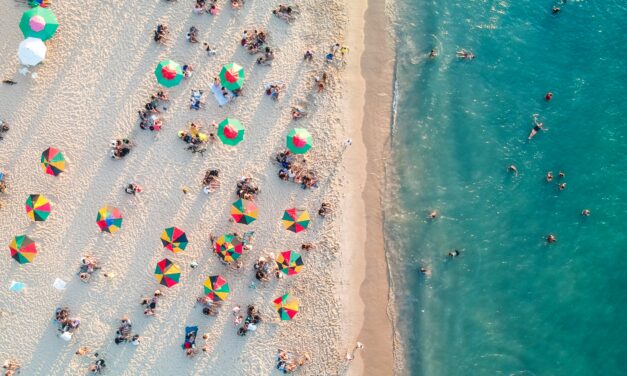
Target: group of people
294 168
336 53
195 138
288 362
250 323
88 266
11 367
210 181
247 189
120 148
150 303
4 128
123 334
265 267
209 307
161 33
285 12
204 6
149 116
254 40
267 58
66 325
274 89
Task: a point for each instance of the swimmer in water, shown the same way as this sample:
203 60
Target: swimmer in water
433 215
585 212
513 169
426 272
536 127
433 53
549 176
561 175
548 96
562 186
466 55
453 253
555 10
551 238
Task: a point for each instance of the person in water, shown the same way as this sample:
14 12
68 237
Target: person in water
433 53
513 169
536 127
551 238
433 215
548 96
453 253
549 176
585 212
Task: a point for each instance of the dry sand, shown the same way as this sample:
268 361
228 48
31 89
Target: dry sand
98 73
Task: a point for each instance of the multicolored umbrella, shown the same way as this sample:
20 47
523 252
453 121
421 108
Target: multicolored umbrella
31 51
174 239
216 288
39 23
53 161
23 249
232 76
229 247
37 208
286 306
167 273
289 262
231 131
244 211
169 73
296 220
109 219
299 141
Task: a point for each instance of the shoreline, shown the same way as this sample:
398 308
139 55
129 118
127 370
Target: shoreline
369 105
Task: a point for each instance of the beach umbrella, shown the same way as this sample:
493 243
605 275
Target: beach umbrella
174 239
229 247
39 23
23 249
37 208
232 76
231 131
31 51
296 220
286 306
53 161
216 288
244 211
167 273
299 141
169 73
109 219
289 262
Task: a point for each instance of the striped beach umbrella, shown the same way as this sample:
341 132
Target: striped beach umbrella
39 23
286 306
52 161
231 131
232 76
229 247
31 51
23 249
167 273
244 211
296 220
299 141
37 208
216 288
109 219
174 239
169 73
289 262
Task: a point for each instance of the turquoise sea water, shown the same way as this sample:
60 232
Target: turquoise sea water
510 304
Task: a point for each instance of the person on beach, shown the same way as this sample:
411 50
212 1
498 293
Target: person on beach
11 367
537 127
97 367
132 189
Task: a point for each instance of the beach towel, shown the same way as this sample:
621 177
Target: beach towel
217 93
189 342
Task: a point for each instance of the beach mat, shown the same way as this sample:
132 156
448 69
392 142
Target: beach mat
217 93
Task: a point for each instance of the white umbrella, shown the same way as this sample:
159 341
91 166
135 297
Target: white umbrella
32 51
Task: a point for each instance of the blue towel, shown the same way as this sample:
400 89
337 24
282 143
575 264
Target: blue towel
188 330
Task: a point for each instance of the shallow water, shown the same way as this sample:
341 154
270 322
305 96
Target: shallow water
510 304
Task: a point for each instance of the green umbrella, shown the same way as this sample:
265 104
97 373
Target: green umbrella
231 131
299 141
232 76
169 73
39 23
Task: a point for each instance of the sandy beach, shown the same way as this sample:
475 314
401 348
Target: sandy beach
99 71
